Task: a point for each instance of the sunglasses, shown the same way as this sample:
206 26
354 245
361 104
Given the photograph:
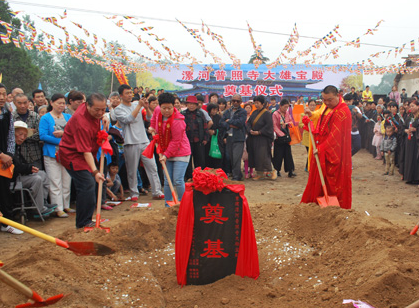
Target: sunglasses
235 101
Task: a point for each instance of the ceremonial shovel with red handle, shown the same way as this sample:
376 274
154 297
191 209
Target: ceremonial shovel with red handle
99 199
326 200
169 181
17 285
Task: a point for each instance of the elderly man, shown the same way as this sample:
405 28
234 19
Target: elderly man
31 177
11 106
30 149
39 99
332 135
77 152
234 123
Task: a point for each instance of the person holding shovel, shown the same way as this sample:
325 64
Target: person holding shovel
77 152
332 136
173 144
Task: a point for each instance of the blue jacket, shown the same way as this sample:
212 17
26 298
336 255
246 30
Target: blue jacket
238 120
46 128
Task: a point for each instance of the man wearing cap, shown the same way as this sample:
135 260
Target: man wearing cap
197 132
234 123
30 149
31 177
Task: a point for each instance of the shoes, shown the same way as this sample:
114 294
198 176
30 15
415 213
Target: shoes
291 174
69 210
385 173
272 175
257 178
91 224
247 176
378 158
11 230
62 214
50 206
106 207
44 213
143 191
161 197
134 199
305 169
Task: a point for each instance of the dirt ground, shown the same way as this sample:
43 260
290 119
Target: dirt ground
309 257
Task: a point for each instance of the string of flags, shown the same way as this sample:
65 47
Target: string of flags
111 56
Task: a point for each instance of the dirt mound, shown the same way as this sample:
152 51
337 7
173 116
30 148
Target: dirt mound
309 257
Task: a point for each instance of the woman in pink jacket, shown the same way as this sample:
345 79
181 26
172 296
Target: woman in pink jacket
174 145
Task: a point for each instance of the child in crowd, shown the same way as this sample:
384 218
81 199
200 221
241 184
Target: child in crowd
388 148
385 121
378 137
114 186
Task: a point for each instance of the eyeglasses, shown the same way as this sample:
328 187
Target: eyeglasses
236 101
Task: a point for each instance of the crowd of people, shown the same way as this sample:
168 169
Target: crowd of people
52 142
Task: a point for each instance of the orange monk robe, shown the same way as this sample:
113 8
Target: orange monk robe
333 140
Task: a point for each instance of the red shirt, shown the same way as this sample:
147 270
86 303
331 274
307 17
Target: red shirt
79 137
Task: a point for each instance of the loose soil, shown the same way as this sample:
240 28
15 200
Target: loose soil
309 257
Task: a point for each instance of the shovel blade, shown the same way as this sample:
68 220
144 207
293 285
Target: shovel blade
50 301
89 249
329 201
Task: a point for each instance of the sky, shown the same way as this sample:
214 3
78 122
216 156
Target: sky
271 21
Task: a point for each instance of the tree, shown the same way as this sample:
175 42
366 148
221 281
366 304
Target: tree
260 57
385 85
351 81
15 64
82 76
53 79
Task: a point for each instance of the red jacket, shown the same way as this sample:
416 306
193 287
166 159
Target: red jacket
179 143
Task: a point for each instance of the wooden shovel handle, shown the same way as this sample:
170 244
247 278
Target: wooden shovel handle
17 285
170 182
316 156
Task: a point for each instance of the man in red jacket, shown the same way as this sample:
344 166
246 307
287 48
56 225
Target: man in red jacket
333 140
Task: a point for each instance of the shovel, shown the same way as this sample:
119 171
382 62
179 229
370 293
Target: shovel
174 194
415 229
326 200
99 199
17 285
79 248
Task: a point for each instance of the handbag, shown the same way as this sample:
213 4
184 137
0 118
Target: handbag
287 137
214 151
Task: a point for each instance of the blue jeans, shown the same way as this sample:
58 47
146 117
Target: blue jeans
86 196
176 170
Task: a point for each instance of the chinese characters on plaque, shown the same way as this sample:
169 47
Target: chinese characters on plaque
216 237
266 79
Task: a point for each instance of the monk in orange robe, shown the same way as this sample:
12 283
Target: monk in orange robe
332 135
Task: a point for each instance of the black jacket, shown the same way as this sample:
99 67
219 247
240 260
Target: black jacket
21 166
